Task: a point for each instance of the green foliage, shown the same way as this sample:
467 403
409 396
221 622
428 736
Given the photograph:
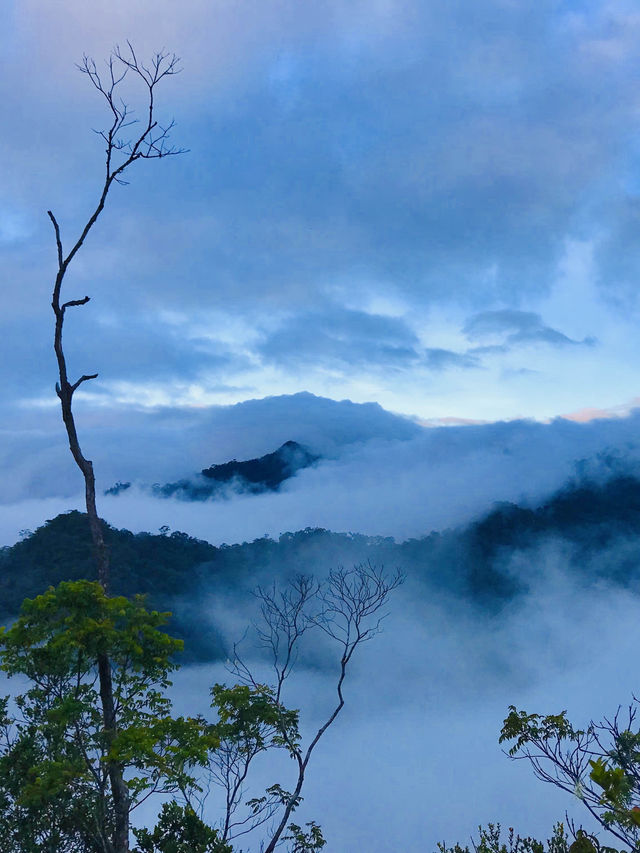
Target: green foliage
66 628
533 728
56 749
309 841
251 718
619 789
489 841
600 765
179 830
251 721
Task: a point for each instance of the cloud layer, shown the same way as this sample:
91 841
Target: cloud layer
362 183
424 707
381 474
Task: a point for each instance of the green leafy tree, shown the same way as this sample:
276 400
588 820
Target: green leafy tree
179 830
490 840
305 841
600 765
56 756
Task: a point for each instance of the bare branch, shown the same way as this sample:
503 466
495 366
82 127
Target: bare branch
73 302
348 609
84 378
149 144
58 239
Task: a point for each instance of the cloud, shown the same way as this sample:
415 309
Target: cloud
293 178
438 155
442 359
341 337
138 349
381 474
515 327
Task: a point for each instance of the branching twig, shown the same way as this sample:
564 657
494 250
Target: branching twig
150 143
348 609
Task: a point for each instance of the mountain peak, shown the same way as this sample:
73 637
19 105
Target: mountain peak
266 472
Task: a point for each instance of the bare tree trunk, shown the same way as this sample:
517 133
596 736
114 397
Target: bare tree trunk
65 391
150 143
293 799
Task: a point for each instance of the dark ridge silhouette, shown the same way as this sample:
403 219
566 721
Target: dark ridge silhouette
253 476
267 472
117 488
597 524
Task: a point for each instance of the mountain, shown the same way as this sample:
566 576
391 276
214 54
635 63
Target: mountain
594 526
163 444
263 474
267 472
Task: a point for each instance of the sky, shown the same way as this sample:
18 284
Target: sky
400 226
430 206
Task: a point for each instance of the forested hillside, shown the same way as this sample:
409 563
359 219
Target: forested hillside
486 563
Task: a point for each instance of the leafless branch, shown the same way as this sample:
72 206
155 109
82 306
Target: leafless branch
84 378
73 302
348 608
150 143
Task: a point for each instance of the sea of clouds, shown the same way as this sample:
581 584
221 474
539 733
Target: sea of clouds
414 758
381 474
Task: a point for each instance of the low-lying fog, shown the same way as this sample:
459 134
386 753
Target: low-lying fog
414 759
381 474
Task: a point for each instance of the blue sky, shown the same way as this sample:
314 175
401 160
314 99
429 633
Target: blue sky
434 206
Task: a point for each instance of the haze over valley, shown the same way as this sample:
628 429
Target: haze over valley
511 535
374 304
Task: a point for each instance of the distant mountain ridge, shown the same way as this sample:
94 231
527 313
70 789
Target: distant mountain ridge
262 474
268 471
486 563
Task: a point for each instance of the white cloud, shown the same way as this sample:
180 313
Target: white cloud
382 475
424 706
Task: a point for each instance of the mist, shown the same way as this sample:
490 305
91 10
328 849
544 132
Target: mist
381 474
414 758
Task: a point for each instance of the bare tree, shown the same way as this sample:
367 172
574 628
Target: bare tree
348 608
149 142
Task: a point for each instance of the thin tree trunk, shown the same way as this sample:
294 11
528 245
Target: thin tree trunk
150 144
65 391
119 790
